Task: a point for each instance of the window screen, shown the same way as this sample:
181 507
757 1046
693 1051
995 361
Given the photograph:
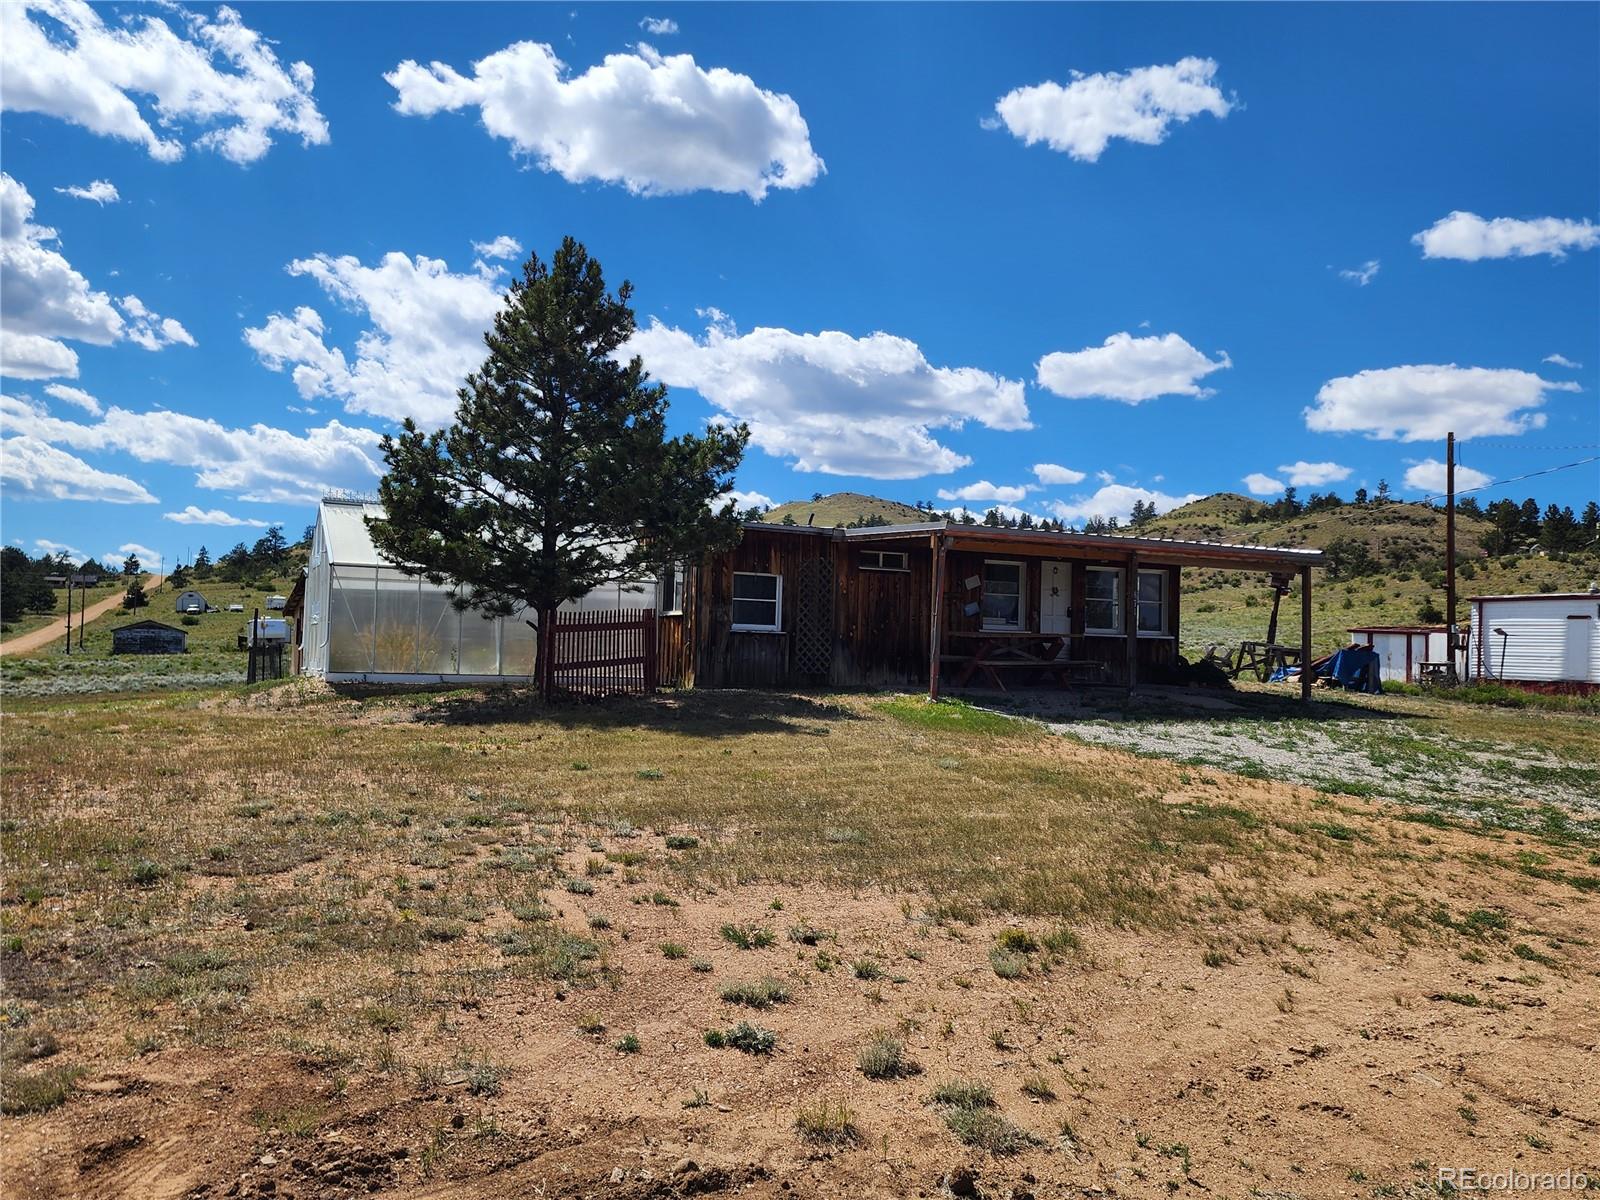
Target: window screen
756 600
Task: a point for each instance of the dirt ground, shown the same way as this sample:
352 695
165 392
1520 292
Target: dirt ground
1290 1058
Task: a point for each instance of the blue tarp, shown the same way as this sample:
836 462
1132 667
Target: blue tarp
1355 668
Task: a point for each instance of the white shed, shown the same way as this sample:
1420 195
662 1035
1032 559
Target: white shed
364 620
1402 649
1536 639
191 601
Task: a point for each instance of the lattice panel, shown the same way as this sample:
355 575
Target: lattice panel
813 618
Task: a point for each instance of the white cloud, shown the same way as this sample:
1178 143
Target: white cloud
657 125
36 470
831 402
101 191
744 500
1114 500
1050 473
1561 360
45 297
1082 117
46 301
426 337
1423 403
1314 474
983 490
74 396
259 463
1468 237
1263 485
57 549
212 75
32 356
504 246
1130 369
195 515
659 26
147 557
152 330
1362 275
1429 476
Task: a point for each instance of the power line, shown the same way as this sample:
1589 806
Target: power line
1518 478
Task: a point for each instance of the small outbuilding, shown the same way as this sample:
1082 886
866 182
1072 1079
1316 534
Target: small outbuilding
149 637
191 601
1402 649
277 603
1548 641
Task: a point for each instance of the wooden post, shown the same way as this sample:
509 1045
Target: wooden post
1450 552
936 615
1305 635
69 614
650 672
1130 620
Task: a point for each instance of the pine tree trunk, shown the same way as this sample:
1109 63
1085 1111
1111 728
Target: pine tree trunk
547 645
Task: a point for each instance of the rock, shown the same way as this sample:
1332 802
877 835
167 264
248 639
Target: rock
268 1159
457 1120
684 1166
618 1174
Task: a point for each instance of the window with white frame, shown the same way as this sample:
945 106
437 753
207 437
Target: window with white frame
1102 600
1152 602
674 589
885 560
1001 605
757 602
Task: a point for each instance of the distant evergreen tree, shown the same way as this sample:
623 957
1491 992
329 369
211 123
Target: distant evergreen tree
1560 530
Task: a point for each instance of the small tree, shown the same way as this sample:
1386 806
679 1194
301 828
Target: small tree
131 567
135 597
557 475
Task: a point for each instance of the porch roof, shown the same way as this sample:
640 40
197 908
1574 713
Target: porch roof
1151 550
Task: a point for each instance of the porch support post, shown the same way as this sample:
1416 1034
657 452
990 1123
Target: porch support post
935 614
1305 635
1130 619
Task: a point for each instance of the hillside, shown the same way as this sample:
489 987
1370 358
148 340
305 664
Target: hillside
843 508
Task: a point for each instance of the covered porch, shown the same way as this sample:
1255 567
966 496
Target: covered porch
1015 608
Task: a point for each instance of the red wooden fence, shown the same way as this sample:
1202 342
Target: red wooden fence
604 652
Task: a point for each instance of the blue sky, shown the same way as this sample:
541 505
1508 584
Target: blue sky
1061 258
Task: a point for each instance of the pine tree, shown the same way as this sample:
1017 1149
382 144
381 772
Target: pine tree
557 475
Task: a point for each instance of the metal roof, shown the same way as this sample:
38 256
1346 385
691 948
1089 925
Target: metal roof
1111 542
1543 596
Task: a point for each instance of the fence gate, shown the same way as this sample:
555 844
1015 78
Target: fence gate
813 619
605 652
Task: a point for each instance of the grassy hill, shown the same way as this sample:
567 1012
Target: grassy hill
1406 543
843 508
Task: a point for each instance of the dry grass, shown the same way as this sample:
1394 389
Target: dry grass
351 881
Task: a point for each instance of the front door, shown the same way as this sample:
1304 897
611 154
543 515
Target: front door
1055 597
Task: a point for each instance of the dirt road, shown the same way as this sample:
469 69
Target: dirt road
40 638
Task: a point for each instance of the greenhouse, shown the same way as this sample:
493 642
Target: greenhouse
361 619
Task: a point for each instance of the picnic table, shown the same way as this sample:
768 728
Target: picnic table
997 650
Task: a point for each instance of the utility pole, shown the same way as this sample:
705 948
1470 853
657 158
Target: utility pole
1450 547
69 614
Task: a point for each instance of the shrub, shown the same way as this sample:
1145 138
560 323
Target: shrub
579 886
762 993
964 1093
674 950
884 1057
1008 965
865 968
752 1039
827 1123
748 937
681 841
628 1043
988 1130
1017 941
38 1091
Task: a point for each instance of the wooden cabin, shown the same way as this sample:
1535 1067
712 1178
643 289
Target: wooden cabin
943 605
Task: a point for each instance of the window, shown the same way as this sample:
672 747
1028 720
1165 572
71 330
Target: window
1102 600
674 588
885 560
1002 594
757 602
1152 602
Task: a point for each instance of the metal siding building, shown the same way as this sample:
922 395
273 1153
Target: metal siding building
1535 639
